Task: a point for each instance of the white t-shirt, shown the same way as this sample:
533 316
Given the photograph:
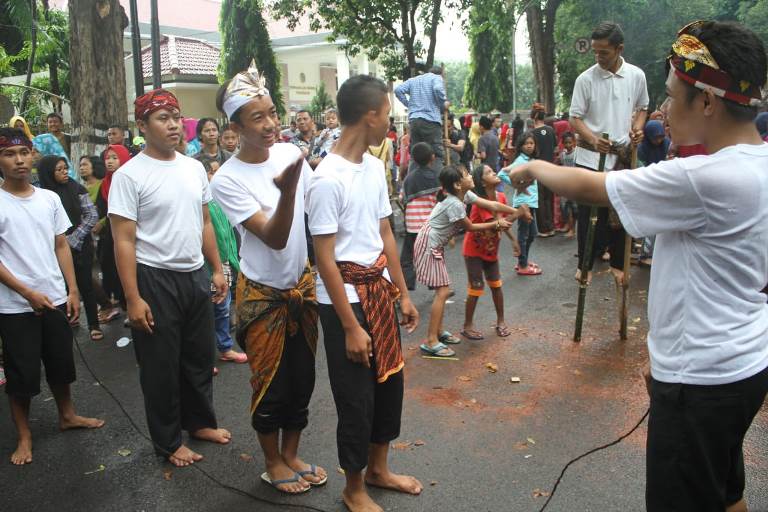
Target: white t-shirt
243 189
350 200
28 229
605 102
165 199
708 319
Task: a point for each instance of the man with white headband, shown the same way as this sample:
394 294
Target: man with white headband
261 190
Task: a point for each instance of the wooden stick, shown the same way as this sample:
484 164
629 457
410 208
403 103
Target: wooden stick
586 262
446 136
624 310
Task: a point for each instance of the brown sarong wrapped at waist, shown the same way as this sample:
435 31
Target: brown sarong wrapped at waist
266 316
622 151
377 296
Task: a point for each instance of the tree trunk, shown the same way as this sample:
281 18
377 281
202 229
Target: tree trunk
433 32
408 37
53 68
97 72
541 30
31 62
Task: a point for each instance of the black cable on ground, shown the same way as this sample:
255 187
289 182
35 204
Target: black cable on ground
197 467
590 452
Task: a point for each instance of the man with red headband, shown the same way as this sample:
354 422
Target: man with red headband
38 293
160 220
708 337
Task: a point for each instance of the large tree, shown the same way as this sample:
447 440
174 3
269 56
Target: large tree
540 16
97 71
383 29
245 37
489 83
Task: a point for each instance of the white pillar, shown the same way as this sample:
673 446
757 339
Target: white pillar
364 65
342 67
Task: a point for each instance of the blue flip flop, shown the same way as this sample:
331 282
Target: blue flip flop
448 338
274 483
435 351
313 471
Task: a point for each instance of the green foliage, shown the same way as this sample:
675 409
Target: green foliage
245 37
754 15
321 101
489 83
455 77
650 27
526 87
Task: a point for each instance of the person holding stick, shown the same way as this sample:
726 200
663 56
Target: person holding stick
708 336
605 97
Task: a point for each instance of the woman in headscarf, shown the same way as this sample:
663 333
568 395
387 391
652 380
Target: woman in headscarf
47 144
114 157
761 121
54 175
20 123
655 144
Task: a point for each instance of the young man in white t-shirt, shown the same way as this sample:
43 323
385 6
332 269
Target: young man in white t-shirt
261 190
160 221
360 279
708 337
35 307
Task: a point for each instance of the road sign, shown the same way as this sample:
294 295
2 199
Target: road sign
583 45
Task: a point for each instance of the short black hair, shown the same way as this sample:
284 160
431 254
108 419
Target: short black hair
538 115
359 95
235 118
99 169
55 114
201 124
449 177
421 152
304 111
226 127
116 126
740 53
13 133
437 70
567 135
521 141
609 30
485 122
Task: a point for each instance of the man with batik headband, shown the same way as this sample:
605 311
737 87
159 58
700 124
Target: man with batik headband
261 190
708 336
610 97
160 221
360 280
38 293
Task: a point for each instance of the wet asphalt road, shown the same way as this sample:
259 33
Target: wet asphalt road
476 440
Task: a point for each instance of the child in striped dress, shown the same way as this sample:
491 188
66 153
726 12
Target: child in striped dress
448 216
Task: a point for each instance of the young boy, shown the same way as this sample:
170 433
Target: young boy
357 260
708 319
35 307
419 196
568 209
488 144
229 138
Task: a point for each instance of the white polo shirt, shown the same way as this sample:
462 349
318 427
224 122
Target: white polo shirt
605 101
708 319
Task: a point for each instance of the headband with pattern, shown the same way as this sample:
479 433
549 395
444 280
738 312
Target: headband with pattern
694 64
245 86
14 140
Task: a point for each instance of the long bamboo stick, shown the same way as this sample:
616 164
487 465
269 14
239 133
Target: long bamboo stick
624 310
586 263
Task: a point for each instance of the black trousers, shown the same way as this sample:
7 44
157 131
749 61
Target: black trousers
406 260
368 412
29 338
176 360
545 212
422 130
83 262
605 236
110 280
285 405
695 460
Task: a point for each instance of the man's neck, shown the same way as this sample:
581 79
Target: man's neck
730 133
160 153
307 136
18 187
253 155
616 65
537 123
352 144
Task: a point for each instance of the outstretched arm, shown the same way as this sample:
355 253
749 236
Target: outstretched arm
580 185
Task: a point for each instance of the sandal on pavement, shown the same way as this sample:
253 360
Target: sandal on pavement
472 335
234 357
448 338
313 471
439 350
97 335
108 315
502 331
274 483
530 270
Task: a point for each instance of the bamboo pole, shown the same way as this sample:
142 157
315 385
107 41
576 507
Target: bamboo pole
624 310
585 264
446 136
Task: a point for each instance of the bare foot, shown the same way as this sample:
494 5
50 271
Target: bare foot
281 471
578 276
618 276
214 435
392 481
23 453
183 457
79 422
299 466
359 502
